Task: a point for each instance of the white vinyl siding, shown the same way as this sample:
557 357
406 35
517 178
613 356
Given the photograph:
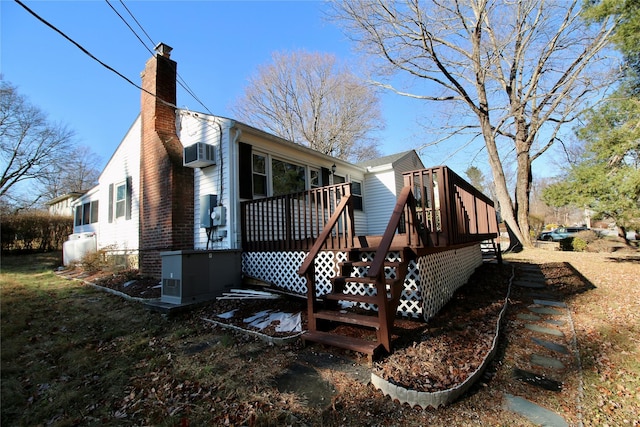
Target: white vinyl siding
211 180
408 163
381 196
123 168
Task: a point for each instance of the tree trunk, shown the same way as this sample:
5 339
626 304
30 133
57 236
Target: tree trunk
514 244
523 190
622 235
507 211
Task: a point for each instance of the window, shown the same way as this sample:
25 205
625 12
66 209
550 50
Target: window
93 217
356 195
259 175
314 175
78 220
86 213
120 201
287 177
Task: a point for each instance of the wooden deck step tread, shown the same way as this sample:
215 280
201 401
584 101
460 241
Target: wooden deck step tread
375 248
368 299
393 264
370 280
349 343
350 318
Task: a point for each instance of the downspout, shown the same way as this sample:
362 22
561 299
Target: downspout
234 199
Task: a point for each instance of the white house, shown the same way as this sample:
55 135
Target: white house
62 205
231 162
201 201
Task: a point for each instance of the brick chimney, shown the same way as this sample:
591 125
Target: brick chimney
166 186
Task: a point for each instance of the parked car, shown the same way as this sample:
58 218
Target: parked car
560 233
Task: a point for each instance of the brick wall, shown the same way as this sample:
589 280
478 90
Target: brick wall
166 187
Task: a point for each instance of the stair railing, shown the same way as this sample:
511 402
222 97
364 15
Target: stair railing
307 269
345 204
415 232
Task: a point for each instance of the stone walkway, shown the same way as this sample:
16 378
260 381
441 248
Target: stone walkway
551 351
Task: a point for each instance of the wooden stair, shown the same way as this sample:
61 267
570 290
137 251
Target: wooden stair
383 291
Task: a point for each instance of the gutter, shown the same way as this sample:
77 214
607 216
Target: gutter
234 175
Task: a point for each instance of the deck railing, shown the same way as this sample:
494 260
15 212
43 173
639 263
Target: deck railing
294 221
452 210
441 210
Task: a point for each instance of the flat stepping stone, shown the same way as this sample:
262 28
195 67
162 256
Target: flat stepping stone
532 277
558 348
531 285
555 322
529 317
549 303
543 330
528 267
306 381
534 413
541 295
546 362
545 310
537 380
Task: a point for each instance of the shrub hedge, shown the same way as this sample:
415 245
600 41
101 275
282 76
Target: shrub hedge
34 231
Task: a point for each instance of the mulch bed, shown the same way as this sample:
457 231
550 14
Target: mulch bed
455 342
427 356
128 282
133 284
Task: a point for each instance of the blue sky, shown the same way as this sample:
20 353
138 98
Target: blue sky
217 45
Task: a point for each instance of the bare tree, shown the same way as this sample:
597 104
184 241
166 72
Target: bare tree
516 71
310 99
75 172
30 146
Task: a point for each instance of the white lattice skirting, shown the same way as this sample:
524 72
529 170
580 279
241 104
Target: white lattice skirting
430 282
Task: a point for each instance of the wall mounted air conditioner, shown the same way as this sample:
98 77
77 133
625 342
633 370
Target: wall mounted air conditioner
199 155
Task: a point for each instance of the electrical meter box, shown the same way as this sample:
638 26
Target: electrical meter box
218 216
208 203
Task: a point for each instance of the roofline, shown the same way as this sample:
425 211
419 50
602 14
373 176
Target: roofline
311 151
119 144
68 195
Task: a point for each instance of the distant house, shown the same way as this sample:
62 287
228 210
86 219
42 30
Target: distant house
63 205
191 198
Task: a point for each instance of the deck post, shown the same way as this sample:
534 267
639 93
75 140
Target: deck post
311 297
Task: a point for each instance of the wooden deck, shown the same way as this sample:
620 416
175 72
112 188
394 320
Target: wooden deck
436 210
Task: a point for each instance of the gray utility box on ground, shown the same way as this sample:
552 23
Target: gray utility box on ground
193 276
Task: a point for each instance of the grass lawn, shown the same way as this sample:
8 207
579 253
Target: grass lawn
72 355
